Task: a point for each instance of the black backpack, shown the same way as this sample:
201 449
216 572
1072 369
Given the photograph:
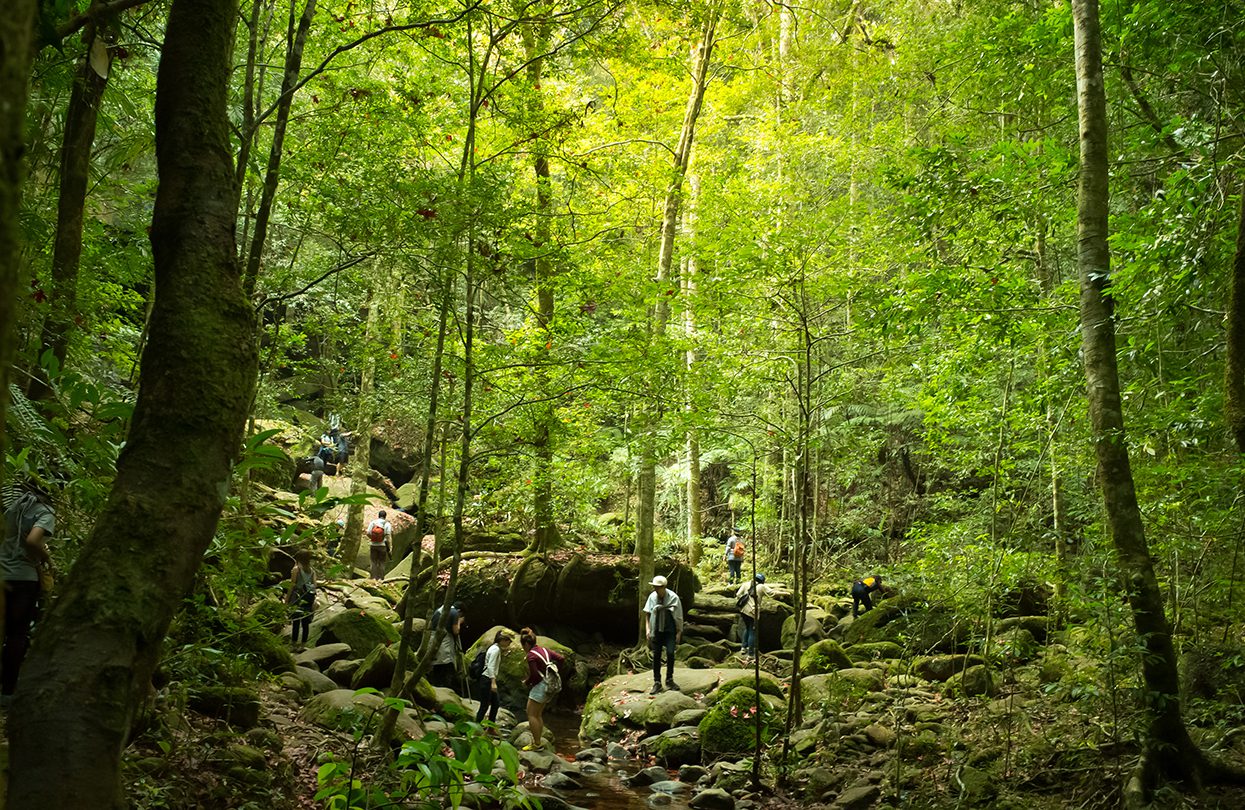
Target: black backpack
476 669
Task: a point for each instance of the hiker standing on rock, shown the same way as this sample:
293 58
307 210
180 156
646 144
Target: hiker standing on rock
445 662
663 625
861 589
540 660
379 542
734 558
302 595
317 474
489 699
748 602
23 556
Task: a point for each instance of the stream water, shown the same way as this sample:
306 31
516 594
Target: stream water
604 790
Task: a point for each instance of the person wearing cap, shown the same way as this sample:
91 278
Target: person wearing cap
750 611
663 625
27 525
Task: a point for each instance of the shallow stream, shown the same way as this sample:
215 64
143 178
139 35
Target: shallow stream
604 790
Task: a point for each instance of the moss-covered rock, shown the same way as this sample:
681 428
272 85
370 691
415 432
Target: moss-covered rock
729 727
972 682
236 705
911 622
942 667
874 651
360 629
832 692
1017 644
344 710
824 656
1213 671
376 671
675 747
767 685
814 628
263 646
661 711
1036 625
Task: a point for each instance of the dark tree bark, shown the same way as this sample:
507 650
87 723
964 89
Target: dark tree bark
1168 750
80 120
1234 370
296 40
17 25
91 666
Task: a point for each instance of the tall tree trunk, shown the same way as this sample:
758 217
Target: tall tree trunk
1234 366
17 26
1168 750
295 41
99 645
80 119
647 478
695 514
361 455
546 536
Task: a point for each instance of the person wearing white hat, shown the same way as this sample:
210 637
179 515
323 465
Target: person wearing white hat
663 625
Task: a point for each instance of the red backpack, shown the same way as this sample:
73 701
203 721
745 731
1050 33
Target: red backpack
377 533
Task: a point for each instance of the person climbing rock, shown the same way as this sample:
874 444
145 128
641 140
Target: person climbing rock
445 661
317 474
28 523
734 558
748 599
301 596
539 661
861 589
380 544
663 625
487 686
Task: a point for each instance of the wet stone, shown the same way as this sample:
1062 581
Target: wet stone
591 755
712 799
648 776
671 786
561 781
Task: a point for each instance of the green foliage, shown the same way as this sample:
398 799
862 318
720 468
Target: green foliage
730 725
432 772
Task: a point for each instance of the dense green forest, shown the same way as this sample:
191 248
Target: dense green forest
946 291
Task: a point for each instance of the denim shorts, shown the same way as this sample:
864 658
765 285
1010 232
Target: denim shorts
537 692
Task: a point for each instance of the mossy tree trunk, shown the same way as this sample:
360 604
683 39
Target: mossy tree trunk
17 25
646 518
81 116
97 648
1234 367
1168 750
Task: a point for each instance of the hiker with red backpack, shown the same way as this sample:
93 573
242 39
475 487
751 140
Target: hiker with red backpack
734 558
379 540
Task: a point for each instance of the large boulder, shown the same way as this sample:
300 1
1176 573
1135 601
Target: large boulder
673 747
814 629
362 630
343 710
621 703
843 690
730 726
976 681
824 656
942 667
918 625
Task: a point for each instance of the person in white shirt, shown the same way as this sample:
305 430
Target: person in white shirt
489 700
663 625
380 543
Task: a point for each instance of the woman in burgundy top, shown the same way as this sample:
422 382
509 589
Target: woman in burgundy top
538 660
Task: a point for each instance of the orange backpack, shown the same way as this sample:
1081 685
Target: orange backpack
739 549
